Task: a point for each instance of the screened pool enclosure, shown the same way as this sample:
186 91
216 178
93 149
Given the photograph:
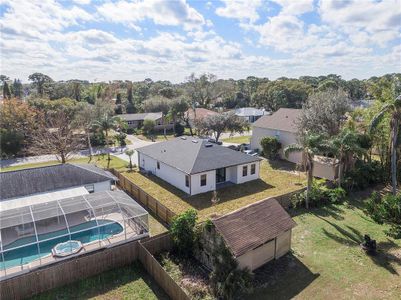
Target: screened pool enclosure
42 233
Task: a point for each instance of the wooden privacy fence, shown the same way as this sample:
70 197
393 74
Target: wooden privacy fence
78 268
155 245
159 209
67 271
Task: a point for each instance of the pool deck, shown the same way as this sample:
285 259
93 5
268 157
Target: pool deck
130 233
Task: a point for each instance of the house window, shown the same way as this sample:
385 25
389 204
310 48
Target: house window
253 169
186 180
90 188
158 165
203 180
244 171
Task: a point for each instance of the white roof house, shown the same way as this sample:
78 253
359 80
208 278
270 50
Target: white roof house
197 166
250 114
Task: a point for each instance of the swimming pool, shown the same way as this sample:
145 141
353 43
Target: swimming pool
79 232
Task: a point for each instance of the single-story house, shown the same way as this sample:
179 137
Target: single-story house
136 120
255 234
196 166
250 114
282 125
43 184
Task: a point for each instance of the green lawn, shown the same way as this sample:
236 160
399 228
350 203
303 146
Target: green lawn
131 282
328 263
273 182
99 160
244 139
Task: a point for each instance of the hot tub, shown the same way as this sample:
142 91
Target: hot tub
67 248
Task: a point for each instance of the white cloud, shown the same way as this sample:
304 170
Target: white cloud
240 9
365 22
295 7
175 13
82 2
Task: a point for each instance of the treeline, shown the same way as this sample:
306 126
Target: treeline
200 91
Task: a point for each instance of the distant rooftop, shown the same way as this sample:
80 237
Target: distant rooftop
284 119
44 179
192 155
249 111
200 113
142 116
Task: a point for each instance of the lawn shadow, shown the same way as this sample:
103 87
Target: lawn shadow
282 165
352 237
330 210
281 279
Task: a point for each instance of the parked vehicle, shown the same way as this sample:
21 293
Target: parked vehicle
251 152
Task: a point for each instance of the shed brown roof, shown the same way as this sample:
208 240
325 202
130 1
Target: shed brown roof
283 119
252 226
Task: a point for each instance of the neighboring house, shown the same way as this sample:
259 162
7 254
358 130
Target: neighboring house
136 120
198 114
43 184
250 114
255 234
282 125
196 166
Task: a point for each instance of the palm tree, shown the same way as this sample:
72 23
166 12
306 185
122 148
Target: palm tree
394 109
129 153
310 145
345 145
105 124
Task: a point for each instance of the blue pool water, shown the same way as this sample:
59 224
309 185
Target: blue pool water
29 253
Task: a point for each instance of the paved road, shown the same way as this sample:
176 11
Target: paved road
116 151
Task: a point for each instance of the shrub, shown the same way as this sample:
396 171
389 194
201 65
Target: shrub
148 127
386 209
319 195
130 130
227 280
270 147
183 232
179 129
98 139
363 175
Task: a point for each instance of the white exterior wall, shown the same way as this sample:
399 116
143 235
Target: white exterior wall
196 187
249 177
257 257
285 138
232 174
166 172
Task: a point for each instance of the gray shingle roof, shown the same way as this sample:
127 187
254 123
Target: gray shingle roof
195 157
283 119
140 117
254 225
44 179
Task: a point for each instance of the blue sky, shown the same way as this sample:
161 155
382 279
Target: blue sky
169 40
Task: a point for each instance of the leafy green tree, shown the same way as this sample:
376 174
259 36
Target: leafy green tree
346 145
40 81
394 109
148 126
219 123
17 87
323 112
106 124
6 90
310 146
182 231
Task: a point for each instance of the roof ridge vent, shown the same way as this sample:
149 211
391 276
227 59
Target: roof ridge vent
195 141
183 137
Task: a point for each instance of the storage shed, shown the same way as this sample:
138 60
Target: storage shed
256 234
